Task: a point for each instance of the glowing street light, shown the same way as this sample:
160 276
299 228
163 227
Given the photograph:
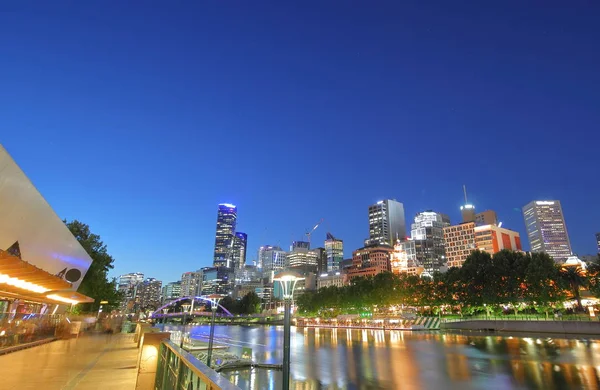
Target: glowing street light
287 280
165 311
214 304
186 307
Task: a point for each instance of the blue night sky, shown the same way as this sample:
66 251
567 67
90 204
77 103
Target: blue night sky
140 118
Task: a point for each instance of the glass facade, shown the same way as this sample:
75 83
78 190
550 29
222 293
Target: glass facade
546 229
386 222
226 221
240 242
334 248
427 233
271 258
598 241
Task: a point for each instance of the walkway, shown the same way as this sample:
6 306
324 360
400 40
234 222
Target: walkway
90 362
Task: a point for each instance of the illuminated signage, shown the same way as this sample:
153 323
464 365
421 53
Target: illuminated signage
544 203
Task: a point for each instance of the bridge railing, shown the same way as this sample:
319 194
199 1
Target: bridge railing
179 370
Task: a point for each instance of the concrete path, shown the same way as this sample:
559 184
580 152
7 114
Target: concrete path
95 362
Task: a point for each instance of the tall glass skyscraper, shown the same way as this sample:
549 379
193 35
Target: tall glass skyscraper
226 221
546 229
598 241
386 222
334 248
239 250
427 233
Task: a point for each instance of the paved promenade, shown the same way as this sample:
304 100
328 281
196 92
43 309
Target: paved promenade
90 362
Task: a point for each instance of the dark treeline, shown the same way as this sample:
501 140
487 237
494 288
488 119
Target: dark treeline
506 282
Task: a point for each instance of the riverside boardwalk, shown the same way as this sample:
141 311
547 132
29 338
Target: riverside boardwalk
93 361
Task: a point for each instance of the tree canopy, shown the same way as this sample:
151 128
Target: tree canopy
95 283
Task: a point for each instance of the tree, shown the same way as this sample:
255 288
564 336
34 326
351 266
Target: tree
575 279
250 303
95 283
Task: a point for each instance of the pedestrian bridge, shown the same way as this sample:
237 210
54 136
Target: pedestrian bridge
175 309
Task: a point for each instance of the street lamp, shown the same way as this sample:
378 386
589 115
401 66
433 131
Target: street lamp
214 303
287 280
186 307
165 311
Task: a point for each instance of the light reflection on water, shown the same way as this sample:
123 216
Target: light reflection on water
375 359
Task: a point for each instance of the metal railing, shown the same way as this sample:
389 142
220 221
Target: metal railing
179 370
522 318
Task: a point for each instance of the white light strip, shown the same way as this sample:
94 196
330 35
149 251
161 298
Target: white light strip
62 299
16 282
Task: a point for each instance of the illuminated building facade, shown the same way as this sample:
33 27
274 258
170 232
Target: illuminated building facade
271 258
427 247
170 292
546 229
191 283
224 238
149 294
128 284
240 242
459 243
370 261
492 239
302 260
386 223
598 241
403 260
335 252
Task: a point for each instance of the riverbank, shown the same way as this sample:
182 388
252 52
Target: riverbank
560 327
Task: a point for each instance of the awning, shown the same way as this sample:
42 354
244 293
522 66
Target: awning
69 297
20 277
21 280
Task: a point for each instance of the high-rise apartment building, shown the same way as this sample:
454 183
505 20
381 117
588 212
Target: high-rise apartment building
240 242
128 285
191 283
224 238
459 243
598 241
370 261
404 258
546 229
386 223
487 217
170 292
321 260
300 244
334 247
149 294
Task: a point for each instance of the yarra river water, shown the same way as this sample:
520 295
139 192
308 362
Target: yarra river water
376 359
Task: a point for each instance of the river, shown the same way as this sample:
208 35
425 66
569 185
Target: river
376 359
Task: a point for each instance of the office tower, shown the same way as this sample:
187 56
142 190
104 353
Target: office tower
191 284
546 229
321 260
271 258
149 294
240 241
386 223
128 284
217 280
467 210
300 244
492 239
487 217
335 252
170 292
370 261
459 243
403 260
598 241
301 259
427 245
226 222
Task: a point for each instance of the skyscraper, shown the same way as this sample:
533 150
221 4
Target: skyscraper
149 294
191 284
467 210
128 285
335 252
271 258
487 217
598 241
427 233
386 222
240 242
226 221
546 229
301 259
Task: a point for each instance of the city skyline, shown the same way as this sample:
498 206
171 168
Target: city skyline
140 137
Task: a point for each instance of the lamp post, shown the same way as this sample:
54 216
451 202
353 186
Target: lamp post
165 311
287 280
186 307
214 304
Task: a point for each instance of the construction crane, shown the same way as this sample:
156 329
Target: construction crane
308 234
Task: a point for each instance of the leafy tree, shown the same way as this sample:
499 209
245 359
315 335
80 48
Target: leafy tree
250 303
575 279
95 283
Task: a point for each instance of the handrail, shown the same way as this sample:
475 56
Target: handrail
520 318
178 368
